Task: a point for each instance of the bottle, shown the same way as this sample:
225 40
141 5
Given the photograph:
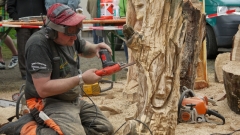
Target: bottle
116 9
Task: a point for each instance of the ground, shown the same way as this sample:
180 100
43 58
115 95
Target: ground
117 108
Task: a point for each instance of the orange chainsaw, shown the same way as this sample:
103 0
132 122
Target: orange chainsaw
192 109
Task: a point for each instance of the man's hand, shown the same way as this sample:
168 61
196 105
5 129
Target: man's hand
101 46
89 76
92 50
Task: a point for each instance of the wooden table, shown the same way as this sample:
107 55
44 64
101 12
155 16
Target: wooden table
40 23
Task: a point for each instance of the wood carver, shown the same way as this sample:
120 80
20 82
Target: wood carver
162 28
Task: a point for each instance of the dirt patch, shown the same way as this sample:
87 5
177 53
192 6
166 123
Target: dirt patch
11 82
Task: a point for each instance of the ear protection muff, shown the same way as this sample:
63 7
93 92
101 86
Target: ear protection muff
50 33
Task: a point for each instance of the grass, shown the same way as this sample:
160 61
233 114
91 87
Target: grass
5 50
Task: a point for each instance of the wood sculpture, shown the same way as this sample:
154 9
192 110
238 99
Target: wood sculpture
161 30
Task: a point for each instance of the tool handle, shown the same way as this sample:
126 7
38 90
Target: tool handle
106 58
106 81
108 70
211 112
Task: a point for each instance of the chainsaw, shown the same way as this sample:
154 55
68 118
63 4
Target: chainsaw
192 109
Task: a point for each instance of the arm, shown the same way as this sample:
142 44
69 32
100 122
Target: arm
92 50
73 4
40 69
47 87
47 4
11 9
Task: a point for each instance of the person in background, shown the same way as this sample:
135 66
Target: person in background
9 43
123 11
74 4
14 61
93 8
123 8
17 9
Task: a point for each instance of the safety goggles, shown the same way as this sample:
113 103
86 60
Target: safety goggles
67 30
72 30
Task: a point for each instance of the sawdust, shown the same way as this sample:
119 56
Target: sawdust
118 109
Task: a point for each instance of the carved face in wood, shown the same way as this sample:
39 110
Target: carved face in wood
139 6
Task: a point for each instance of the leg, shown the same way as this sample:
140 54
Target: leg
14 128
94 125
100 39
1 57
65 115
22 37
9 42
125 50
2 63
17 127
95 37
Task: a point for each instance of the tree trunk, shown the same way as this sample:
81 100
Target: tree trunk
192 65
162 29
231 77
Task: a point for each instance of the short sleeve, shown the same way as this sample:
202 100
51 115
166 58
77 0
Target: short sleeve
38 59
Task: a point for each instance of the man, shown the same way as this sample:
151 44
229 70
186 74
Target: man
17 9
93 8
9 43
58 96
71 3
123 11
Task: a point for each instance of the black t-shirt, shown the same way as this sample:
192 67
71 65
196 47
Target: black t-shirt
39 58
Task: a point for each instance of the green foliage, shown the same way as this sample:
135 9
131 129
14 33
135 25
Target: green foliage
5 50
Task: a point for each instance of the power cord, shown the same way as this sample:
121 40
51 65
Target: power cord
137 121
93 104
121 125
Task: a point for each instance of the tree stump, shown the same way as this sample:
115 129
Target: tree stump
221 60
231 77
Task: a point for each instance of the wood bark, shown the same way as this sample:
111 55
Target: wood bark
231 77
162 29
192 65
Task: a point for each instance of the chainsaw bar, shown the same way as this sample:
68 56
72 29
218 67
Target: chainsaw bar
7 103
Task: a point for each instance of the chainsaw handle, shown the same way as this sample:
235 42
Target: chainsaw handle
183 95
106 81
211 112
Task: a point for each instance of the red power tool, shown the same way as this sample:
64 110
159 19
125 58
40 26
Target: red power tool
109 67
